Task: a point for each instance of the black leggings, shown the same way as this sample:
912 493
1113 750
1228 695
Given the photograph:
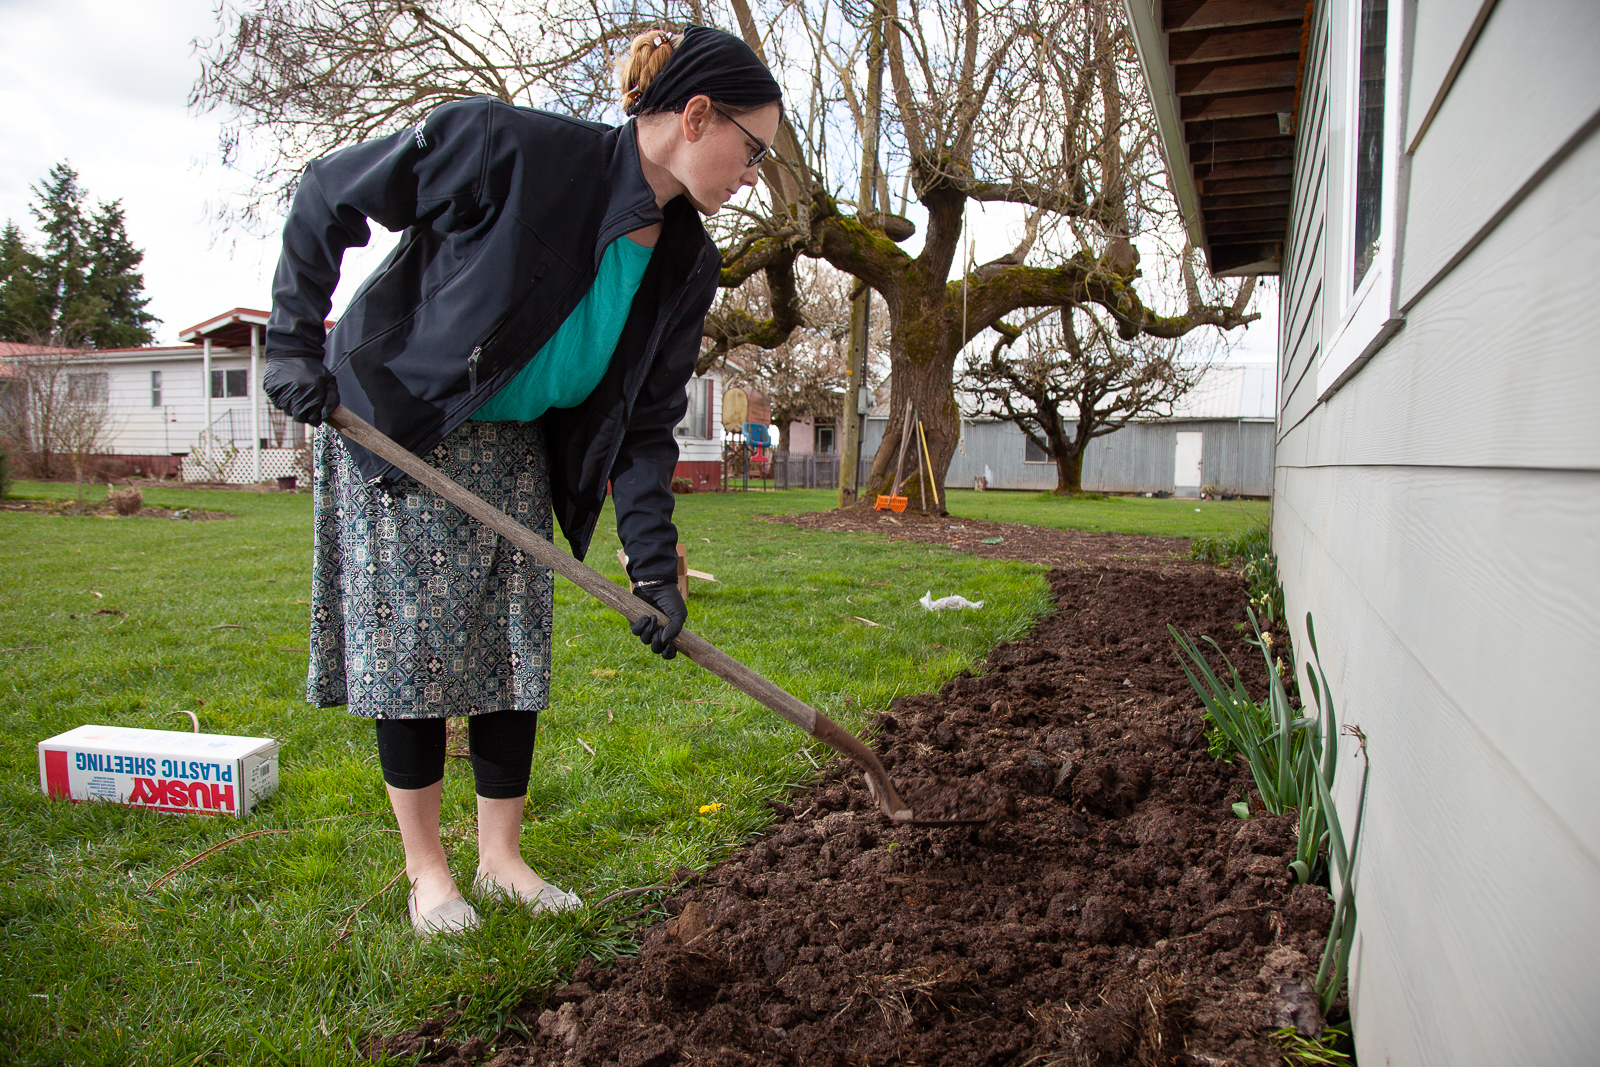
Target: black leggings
411 752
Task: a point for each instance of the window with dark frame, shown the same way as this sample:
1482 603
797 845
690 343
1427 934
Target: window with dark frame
229 383
1369 97
155 388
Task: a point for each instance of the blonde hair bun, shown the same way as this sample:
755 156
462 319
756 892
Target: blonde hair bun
647 53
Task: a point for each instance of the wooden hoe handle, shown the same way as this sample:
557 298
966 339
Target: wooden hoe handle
631 607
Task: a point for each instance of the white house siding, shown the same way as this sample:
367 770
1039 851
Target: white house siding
700 457
1440 516
174 427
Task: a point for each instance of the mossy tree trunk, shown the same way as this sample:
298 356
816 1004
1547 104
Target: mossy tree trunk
1069 472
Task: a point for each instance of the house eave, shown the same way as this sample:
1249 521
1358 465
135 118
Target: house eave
1151 44
1224 83
230 325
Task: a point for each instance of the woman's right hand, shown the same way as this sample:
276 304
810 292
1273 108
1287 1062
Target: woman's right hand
303 387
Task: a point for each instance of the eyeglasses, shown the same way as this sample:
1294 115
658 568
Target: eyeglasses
761 152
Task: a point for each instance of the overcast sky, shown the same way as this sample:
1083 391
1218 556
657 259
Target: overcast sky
102 85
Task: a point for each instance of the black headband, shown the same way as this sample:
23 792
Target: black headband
711 63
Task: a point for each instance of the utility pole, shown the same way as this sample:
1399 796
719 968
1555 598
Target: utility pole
855 392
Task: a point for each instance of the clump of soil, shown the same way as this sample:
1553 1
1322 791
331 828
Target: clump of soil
1118 912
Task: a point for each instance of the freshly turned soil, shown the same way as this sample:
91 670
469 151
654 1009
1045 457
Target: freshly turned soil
103 509
1113 910
1031 544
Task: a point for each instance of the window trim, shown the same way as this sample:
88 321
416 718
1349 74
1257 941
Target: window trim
1361 319
1026 444
223 372
155 388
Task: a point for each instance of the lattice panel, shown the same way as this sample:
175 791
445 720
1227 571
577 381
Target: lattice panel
240 468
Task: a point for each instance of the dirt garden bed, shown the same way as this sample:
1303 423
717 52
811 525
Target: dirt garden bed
998 540
103 509
1119 914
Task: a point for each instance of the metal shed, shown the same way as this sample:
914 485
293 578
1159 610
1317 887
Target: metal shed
1231 411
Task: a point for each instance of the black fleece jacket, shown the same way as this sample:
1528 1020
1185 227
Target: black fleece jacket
506 213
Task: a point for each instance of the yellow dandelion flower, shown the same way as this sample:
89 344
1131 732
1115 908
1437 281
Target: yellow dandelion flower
710 809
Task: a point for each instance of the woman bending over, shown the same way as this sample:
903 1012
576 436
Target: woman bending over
532 335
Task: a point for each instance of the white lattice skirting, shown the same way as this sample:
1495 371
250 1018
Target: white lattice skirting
238 468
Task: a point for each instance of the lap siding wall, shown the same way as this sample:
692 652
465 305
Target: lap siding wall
1440 516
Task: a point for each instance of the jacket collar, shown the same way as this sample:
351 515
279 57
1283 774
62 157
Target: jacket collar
631 202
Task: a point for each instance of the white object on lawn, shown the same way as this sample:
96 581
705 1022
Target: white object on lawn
948 603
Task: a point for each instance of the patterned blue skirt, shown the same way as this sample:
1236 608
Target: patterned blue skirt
417 609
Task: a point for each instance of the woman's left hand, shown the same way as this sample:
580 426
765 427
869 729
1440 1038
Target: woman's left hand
662 595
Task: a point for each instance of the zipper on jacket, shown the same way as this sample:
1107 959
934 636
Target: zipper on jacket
472 368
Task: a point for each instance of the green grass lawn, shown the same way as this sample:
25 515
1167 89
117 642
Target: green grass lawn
1116 514
238 958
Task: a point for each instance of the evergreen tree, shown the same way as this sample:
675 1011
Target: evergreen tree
23 314
83 288
64 278
116 283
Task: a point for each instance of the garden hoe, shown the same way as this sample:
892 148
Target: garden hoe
628 606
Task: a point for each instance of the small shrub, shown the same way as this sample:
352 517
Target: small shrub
126 501
1266 591
1222 550
682 485
303 460
1259 568
212 456
1320 1051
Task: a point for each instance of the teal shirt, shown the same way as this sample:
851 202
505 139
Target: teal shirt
571 364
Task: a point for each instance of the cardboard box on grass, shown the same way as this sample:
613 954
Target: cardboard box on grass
165 770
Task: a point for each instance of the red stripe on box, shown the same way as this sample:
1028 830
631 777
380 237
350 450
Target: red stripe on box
55 774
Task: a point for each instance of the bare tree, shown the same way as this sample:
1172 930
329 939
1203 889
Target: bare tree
83 425
804 376
36 402
1076 381
59 405
1033 103
13 410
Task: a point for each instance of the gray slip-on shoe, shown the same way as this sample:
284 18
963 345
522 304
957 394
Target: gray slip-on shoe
452 917
547 898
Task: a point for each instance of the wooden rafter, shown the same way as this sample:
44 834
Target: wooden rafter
1227 74
1219 14
1222 46
1237 105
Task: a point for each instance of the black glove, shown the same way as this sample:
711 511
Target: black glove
302 386
662 595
